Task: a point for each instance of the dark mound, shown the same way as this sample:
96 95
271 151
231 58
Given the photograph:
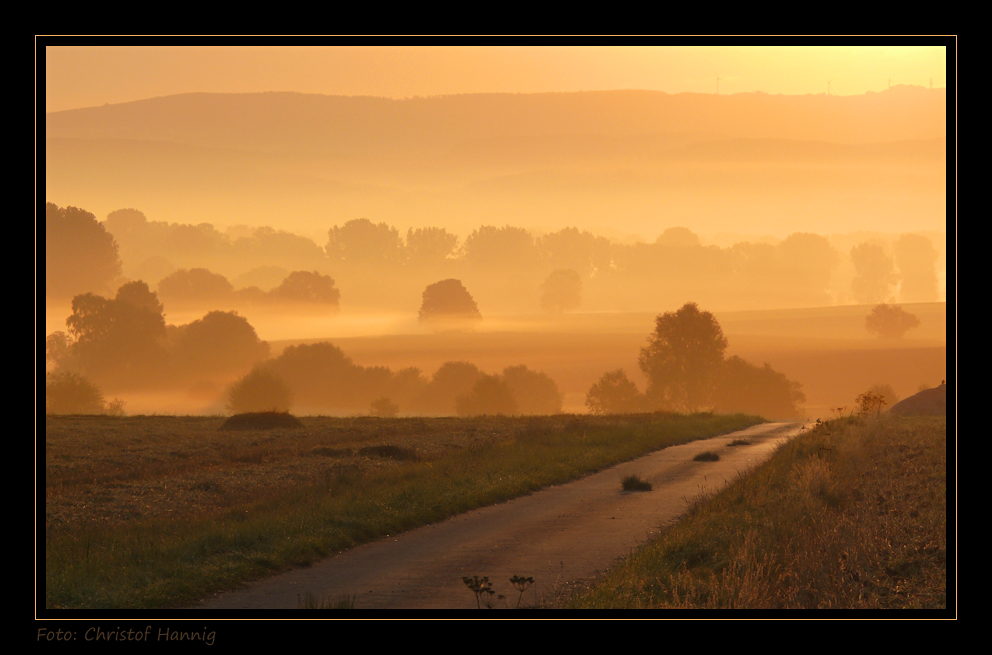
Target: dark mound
930 402
261 421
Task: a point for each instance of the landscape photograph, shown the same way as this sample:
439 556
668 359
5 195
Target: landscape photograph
535 327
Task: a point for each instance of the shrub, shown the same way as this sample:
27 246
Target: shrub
490 395
384 408
534 392
634 483
71 393
614 393
890 321
743 388
870 403
261 390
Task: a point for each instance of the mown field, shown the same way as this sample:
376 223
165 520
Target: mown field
849 515
160 511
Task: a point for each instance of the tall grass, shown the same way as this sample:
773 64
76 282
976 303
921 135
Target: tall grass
849 515
158 562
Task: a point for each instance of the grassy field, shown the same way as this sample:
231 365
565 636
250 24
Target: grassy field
852 514
160 511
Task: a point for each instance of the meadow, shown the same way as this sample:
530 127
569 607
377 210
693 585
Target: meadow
160 511
849 515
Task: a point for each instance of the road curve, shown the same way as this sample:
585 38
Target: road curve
561 536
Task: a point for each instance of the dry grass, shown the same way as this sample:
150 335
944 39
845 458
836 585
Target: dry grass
114 471
159 511
852 514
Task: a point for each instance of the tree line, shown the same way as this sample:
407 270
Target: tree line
124 343
564 269
687 371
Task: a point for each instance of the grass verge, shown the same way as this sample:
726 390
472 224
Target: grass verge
852 514
160 560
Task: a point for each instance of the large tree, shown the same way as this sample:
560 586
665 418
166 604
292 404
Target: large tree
447 383
430 245
506 247
448 305
746 388
196 288
120 341
875 273
308 288
362 242
808 262
682 359
218 345
80 255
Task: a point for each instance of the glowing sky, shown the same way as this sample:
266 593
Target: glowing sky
88 75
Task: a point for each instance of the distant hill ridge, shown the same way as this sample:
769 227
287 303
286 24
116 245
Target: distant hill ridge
310 123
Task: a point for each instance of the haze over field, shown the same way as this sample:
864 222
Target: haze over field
570 207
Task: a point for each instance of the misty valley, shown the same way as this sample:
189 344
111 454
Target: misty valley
280 325
447 355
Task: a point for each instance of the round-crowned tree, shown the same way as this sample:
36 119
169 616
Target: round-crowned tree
535 393
450 381
490 395
890 321
260 390
219 344
308 288
683 358
448 305
80 255
614 393
196 288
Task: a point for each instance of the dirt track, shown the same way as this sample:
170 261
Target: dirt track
561 536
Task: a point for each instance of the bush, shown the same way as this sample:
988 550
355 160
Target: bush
490 396
71 393
384 408
890 321
260 390
534 392
633 482
615 394
743 388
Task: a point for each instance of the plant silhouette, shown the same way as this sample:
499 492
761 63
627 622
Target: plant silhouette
448 305
683 358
